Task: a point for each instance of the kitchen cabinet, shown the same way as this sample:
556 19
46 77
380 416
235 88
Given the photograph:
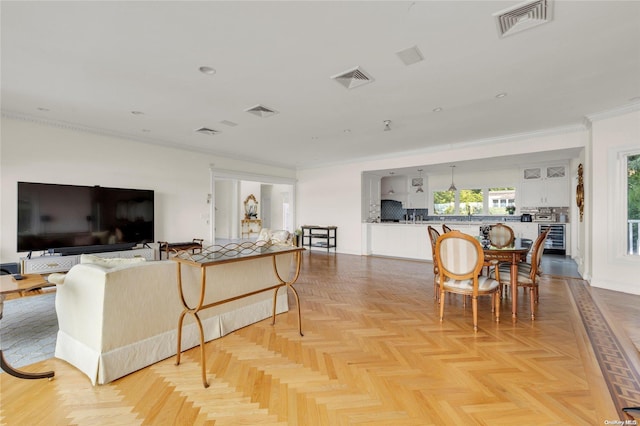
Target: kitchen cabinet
394 188
400 240
416 200
544 186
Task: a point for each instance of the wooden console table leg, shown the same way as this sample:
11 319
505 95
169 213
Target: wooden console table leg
289 285
194 312
21 374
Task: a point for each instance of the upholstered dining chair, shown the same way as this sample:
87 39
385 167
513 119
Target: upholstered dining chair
433 236
500 236
460 259
528 272
445 228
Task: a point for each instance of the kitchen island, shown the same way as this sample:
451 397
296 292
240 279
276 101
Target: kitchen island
410 240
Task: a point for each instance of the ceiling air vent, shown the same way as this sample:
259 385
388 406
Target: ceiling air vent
410 55
261 111
353 78
523 16
207 131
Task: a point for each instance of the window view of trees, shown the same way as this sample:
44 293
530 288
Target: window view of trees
471 201
444 202
633 202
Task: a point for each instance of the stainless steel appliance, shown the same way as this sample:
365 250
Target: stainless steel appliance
545 217
526 217
555 243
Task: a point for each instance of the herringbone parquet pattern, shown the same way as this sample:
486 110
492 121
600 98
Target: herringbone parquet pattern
374 353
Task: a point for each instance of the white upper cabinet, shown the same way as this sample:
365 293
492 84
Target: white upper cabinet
394 188
545 186
415 199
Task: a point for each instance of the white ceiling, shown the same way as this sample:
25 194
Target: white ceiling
88 65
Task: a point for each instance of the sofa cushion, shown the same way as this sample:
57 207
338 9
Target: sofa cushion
109 263
280 237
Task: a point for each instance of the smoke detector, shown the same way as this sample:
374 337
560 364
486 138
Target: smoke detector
352 78
261 111
523 16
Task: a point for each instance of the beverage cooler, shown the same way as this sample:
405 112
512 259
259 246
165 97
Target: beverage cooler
556 239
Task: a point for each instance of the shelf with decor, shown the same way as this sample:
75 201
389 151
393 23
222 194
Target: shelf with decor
325 237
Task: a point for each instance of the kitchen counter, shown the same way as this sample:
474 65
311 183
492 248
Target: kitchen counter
411 239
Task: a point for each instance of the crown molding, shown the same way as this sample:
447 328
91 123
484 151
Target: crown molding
614 112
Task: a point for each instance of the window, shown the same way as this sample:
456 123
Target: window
500 199
471 201
633 204
444 202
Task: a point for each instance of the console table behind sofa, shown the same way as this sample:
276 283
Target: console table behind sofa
113 321
216 264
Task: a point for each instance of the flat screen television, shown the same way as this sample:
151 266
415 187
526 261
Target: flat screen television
72 219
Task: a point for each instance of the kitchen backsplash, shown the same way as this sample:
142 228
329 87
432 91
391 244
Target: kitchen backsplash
392 210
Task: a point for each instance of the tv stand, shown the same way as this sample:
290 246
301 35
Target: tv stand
62 263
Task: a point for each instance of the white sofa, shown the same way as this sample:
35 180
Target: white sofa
118 317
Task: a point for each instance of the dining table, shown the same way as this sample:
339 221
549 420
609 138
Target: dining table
513 254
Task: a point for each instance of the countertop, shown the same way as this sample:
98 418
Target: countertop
457 222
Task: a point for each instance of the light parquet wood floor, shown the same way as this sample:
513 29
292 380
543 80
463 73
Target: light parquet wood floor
374 353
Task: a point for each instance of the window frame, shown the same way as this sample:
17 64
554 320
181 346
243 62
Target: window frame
618 206
484 189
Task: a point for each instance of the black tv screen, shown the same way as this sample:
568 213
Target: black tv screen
61 217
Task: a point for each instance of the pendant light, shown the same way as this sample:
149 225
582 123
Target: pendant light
420 186
453 186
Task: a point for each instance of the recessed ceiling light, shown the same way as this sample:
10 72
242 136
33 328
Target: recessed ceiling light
207 70
501 95
438 109
347 130
137 112
43 109
145 130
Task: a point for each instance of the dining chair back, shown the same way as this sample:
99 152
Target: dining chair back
433 236
501 235
460 259
528 272
445 228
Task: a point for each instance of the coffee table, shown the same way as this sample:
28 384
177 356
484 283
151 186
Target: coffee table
8 284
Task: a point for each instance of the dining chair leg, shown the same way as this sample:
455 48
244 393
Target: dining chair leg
441 305
474 304
532 302
498 306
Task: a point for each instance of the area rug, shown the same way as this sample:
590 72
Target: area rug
28 329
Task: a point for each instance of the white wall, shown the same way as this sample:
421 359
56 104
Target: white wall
605 215
181 180
332 195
